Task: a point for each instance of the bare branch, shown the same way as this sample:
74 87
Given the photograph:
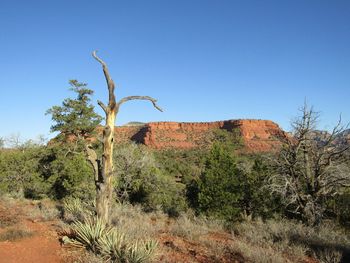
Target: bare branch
154 101
98 59
110 82
311 167
103 106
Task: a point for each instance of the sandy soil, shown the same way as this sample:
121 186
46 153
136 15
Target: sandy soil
43 246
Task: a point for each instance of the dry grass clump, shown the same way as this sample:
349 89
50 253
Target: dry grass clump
44 210
10 213
135 223
14 234
289 241
130 238
257 254
7 217
79 256
192 228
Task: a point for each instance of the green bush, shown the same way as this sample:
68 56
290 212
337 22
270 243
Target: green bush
140 181
40 171
219 187
257 200
339 208
184 165
72 176
164 193
20 173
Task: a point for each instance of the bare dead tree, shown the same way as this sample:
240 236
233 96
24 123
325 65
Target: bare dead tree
310 168
103 166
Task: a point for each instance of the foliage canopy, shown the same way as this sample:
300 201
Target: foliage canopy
76 116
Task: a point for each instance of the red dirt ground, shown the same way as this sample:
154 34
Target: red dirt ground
43 246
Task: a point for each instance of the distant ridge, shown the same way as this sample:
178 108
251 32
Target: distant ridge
257 135
134 123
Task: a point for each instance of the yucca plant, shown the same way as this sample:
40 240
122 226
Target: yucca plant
112 246
141 251
94 235
115 248
88 233
75 209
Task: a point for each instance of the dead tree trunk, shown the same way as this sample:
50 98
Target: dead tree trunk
103 166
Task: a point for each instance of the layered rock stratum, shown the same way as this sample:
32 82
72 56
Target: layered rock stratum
256 135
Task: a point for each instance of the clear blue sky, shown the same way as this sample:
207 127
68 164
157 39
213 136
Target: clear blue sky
202 60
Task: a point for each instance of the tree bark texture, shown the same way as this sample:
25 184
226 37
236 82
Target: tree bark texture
103 167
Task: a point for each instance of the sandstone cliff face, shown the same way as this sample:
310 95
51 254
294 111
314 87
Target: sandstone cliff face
257 135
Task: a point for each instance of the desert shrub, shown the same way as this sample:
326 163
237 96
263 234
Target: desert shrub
339 208
20 173
71 175
257 200
39 171
310 168
162 193
274 236
219 187
140 181
141 223
184 165
44 210
229 139
14 234
133 164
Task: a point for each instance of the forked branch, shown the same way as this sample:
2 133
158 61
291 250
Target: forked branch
154 101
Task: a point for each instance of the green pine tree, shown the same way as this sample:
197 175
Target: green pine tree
219 186
76 116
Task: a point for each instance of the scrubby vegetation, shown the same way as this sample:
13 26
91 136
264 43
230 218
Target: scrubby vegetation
278 207
206 191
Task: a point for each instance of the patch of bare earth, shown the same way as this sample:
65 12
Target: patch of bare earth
210 247
42 245
176 249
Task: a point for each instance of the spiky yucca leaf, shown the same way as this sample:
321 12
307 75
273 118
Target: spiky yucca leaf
93 234
88 234
115 248
75 209
141 251
112 246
